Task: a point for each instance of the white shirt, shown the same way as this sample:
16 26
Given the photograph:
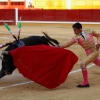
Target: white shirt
83 34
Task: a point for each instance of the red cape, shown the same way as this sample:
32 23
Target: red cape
46 65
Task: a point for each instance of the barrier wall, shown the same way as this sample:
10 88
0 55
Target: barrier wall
7 16
50 15
60 15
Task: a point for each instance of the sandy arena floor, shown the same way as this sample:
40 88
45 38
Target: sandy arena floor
17 87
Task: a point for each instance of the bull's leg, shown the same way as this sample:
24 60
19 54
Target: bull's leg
9 67
2 72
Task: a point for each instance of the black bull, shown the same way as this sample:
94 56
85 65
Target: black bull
7 62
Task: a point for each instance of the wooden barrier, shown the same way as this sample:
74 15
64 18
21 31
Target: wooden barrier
60 15
7 15
50 15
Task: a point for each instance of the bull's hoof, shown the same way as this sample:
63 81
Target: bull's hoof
2 74
8 73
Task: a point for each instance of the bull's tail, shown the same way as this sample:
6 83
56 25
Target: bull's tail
52 41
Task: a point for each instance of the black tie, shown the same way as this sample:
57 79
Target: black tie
83 36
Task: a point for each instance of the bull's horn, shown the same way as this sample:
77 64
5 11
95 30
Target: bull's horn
4 53
1 57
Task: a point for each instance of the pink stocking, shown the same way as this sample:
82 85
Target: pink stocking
85 76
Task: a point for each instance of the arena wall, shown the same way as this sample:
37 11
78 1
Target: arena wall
9 15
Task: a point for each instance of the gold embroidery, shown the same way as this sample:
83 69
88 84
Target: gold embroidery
88 44
88 31
96 34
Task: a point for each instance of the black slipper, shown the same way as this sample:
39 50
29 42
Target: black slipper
82 86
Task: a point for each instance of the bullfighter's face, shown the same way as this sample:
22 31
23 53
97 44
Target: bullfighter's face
77 31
